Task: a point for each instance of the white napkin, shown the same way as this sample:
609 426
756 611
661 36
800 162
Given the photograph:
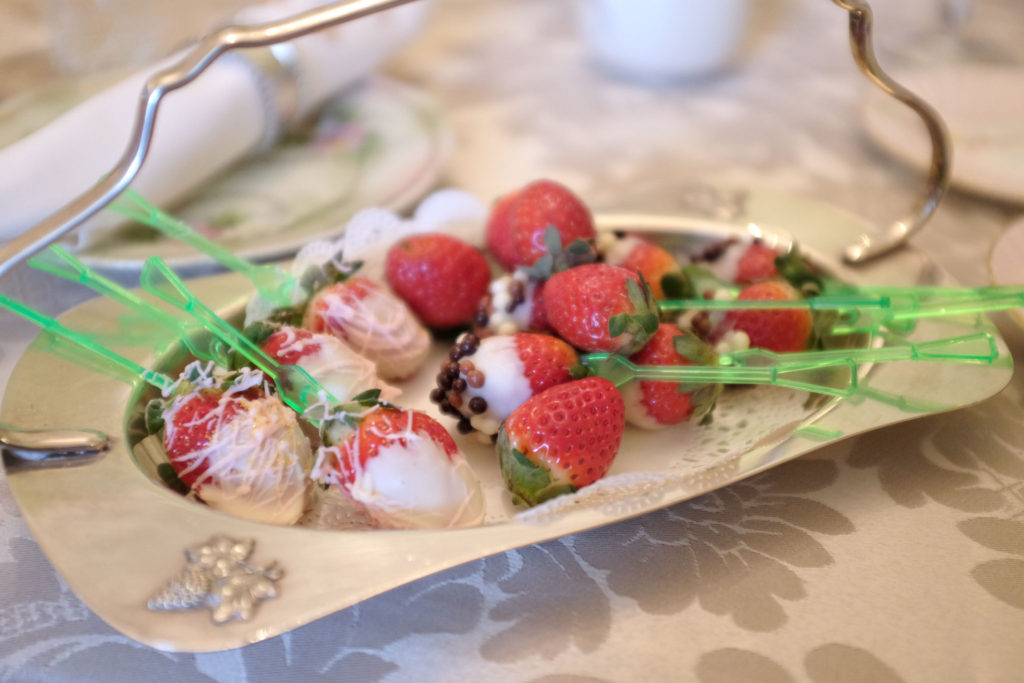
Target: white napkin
201 129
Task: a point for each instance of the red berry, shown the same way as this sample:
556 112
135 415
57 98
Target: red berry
546 203
562 439
662 402
290 344
651 261
441 277
499 232
383 428
546 360
756 264
582 302
781 330
191 428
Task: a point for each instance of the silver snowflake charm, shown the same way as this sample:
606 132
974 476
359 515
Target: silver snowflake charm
218 575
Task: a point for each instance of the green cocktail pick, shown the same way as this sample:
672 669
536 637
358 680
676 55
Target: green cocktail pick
295 386
834 376
56 260
270 281
979 348
83 341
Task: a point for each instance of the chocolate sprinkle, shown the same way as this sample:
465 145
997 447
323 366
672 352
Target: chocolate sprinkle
478 404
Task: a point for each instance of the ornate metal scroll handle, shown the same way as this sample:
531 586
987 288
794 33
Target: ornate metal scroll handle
188 68
869 247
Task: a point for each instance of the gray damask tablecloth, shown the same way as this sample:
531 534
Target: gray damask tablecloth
893 556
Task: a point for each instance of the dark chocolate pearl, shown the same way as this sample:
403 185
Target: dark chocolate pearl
451 369
447 408
436 395
455 399
469 344
483 317
458 385
455 353
444 381
464 426
478 404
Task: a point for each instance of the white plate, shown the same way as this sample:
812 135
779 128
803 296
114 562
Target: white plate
117 537
1006 262
983 107
382 143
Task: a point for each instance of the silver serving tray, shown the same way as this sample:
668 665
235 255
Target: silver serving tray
116 536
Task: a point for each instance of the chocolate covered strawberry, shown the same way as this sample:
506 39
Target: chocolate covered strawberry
561 440
644 258
513 303
373 322
598 307
240 450
405 469
340 370
541 204
655 405
779 330
441 277
484 380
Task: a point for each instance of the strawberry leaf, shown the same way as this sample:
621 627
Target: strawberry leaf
153 416
618 324
579 371
170 478
677 286
693 348
799 272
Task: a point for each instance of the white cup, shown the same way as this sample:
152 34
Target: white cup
664 40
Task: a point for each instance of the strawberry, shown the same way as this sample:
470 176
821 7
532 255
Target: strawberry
484 380
192 427
405 469
441 277
598 307
499 232
781 330
373 322
645 258
340 370
653 405
240 451
756 264
561 440
546 203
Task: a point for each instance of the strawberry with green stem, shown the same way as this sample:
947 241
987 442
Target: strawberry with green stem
659 404
561 440
598 307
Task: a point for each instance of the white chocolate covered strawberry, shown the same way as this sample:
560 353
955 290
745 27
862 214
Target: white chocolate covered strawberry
239 449
340 370
373 322
484 380
405 470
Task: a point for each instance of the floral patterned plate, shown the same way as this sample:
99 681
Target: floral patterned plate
120 539
381 143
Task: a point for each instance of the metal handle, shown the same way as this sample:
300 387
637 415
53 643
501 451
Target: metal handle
263 35
188 68
869 247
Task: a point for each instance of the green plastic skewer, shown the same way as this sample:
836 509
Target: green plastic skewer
893 305
295 386
158 380
621 371
59 261
961 349
272 283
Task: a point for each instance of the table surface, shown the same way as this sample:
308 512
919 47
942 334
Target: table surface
897 555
